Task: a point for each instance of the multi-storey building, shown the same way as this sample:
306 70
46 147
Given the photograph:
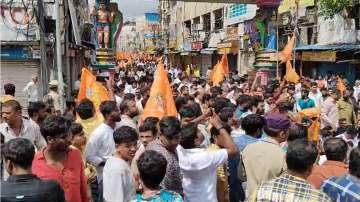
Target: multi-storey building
253 34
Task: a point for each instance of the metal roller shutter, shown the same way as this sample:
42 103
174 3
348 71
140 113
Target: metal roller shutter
18 73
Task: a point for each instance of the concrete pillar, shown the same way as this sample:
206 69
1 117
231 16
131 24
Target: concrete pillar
212 21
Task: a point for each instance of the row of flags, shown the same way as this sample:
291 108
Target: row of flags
161 102
291 76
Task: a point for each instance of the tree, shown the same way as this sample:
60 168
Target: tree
330 8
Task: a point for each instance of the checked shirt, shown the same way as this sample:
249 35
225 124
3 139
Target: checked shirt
288 188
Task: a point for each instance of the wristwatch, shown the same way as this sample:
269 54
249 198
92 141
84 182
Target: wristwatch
102 163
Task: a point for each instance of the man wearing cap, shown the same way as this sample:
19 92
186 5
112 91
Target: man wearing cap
53 98
265 160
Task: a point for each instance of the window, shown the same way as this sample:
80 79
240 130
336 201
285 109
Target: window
207 22
236 10
219 20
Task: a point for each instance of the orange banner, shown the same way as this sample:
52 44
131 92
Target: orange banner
286 54
91 89
161 101
291 74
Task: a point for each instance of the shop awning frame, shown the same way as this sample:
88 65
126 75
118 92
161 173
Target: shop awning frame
208 51
317 47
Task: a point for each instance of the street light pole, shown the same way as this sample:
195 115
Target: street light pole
58 56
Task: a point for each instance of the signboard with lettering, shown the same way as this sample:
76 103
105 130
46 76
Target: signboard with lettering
319 56
196 46
187 46
232 33
16 53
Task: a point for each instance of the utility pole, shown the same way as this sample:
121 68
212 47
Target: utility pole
59 56
43 62
66 52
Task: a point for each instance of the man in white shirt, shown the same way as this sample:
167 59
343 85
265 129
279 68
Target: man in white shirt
119 94
199 166
350 137
101 143
316 95
77 83
14 126
53 97
31 89
118 178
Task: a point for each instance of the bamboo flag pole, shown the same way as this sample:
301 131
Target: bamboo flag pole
277 44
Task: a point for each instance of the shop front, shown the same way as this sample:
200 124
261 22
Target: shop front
18 63
324 60
231 48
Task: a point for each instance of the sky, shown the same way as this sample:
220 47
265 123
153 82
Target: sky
133 9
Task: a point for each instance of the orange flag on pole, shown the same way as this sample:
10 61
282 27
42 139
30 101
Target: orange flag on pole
224 63
161 101
91 89
218 74
286 54
314 129
291 74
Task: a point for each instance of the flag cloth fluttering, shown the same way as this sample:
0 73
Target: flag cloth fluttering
220 69
286 53
314 129
217 75
224 63
161 101
291 74
91 89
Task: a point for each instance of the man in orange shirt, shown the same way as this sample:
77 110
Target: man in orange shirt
335 151
60 162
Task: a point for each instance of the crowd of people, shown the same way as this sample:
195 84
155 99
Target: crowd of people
228 143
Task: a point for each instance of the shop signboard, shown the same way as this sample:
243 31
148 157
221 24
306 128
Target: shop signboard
319 56
187 46
17 53
228 47
196 46
232 33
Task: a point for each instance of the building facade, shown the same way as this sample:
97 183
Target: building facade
253 34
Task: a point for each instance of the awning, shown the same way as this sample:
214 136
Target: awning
185 53
329 47
208 51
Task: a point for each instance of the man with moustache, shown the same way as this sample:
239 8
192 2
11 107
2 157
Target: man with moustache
128 111
346 108
37 112
101 143
60 162
166 144
15 126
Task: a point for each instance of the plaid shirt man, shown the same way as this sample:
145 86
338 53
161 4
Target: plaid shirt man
343 188
288 188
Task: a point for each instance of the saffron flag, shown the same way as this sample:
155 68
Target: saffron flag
340 85
314 129
91 89
224 63
291 74
217 74
286 54
161 101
